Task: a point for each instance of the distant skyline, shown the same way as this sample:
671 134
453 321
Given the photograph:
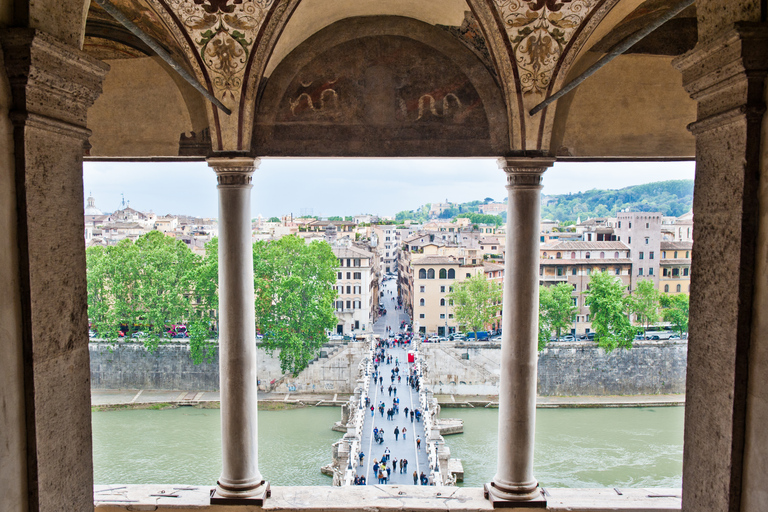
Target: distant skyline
346 187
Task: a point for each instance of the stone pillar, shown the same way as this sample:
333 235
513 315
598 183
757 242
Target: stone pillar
726 450
52 85
240 479
514 481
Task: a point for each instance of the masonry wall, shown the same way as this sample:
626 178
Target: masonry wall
131 366
564 369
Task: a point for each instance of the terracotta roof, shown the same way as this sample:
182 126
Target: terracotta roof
492 267
435 260
351 252
676 246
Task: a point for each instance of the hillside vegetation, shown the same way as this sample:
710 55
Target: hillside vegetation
671 198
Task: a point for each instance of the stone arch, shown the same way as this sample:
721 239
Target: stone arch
449 105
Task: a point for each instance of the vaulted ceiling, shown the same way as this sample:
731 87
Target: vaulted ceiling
528 48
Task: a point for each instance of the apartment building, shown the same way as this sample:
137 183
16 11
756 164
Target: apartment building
574 263
641 231
675 262
357 285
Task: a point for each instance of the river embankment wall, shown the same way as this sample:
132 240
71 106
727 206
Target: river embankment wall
564 369
453 368
128 365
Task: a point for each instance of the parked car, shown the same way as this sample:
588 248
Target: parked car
568 337
479 335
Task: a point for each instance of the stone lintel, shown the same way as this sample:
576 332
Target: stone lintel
50 79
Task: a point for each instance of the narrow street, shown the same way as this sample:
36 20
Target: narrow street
404 446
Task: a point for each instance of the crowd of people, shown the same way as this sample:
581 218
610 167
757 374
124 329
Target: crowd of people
397 372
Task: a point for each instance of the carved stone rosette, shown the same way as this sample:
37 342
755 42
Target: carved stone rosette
235 171
525 172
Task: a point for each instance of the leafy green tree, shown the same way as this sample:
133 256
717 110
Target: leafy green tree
644 303
274 219
675 311
608 310
556 311
146 286
482 218
476 301
294 298
335 218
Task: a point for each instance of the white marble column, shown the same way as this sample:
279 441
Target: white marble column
514 481
240 477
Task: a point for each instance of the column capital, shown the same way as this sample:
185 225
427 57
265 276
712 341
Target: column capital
524 172
52 83
234 171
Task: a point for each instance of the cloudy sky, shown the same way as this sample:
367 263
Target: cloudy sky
348 187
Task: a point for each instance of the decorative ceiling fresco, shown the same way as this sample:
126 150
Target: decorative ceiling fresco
529 47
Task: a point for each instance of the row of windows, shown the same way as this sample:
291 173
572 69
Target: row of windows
351 262
674 272
357 275
588 255
442 289
560 271
351 304
442 302
350 289
430 274
678 288
687 254
640 271
442 315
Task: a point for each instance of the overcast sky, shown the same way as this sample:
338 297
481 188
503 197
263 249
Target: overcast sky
348 187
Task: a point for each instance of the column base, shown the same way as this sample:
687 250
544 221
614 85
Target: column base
263 492
501 499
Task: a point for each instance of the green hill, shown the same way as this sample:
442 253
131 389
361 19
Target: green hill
671 198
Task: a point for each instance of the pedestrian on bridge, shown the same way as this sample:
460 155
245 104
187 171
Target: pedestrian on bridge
418 443
403 432
397 432
415 477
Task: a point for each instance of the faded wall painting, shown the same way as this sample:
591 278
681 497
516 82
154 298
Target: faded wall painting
382 95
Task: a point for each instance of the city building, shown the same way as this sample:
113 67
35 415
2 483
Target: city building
433 279
675 264
641 231
357 286
574 263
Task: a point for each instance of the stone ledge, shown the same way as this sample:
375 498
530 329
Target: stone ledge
114 498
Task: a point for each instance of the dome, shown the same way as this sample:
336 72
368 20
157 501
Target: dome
90 208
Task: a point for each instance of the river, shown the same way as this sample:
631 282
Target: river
627 447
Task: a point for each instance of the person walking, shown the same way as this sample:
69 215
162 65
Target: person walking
372 410
397 432
418 443
415 478
403 432
361 456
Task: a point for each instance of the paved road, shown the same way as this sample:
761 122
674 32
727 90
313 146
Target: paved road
401 448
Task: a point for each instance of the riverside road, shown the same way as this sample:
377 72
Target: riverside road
404 446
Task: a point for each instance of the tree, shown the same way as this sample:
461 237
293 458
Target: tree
476 301
481 218
294 298
675 311
274 219
645 303
146 286
608 309
335 218
556 311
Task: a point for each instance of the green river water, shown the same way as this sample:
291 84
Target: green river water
628 447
